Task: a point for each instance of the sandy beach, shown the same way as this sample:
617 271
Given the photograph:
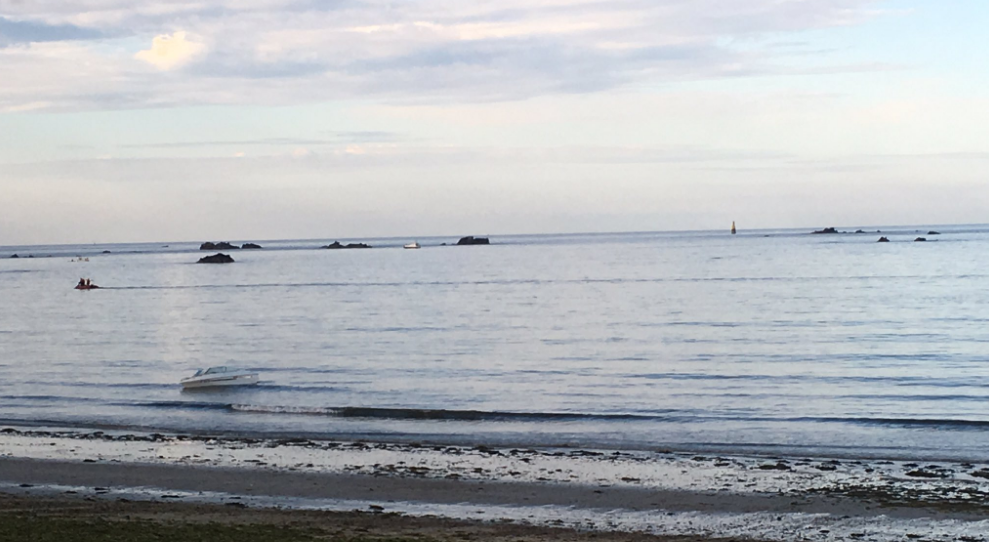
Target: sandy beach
497 492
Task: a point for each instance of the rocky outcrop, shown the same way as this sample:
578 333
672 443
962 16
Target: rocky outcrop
920 240
216 258
826 231
859 231
15 256
471 240
933 233
222 245
336 244
250 245
883 240
106 252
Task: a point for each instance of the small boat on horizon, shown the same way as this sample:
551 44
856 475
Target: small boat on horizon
733 227
219 376
414 244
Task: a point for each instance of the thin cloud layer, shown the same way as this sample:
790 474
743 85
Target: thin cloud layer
293 51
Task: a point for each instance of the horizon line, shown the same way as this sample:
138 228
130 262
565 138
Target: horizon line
742 232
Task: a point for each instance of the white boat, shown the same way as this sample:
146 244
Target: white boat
413 245
220 376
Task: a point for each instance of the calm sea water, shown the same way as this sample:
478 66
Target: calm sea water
778 342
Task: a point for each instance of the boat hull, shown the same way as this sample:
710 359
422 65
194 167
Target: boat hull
220 381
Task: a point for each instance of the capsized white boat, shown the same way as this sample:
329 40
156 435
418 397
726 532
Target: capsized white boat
220 376
413 245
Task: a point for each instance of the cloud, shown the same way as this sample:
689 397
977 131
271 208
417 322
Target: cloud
275 52
13 31
171 51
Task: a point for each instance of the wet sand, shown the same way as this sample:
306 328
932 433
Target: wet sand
657 493
382 490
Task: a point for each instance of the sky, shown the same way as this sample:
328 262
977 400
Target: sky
277 119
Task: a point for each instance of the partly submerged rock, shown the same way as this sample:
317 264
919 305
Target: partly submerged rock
336 244
826 231
883 240
932 232
15 256
471 240
859 231
222 245
216 258
250 245
920 240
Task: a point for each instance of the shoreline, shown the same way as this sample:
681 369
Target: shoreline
765 450
660 493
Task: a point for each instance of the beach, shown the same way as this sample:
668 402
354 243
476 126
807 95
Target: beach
521 271
496 491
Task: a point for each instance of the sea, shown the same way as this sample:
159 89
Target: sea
775 342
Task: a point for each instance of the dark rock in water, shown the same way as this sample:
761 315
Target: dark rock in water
859 231
883 240
250 245
781 465
919 240
216 258
336 244
15 256
826 231
933 233
106 252
928 472
222 245
471 240
983 473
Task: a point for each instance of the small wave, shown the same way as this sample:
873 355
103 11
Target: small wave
192 405
432 414
667 416
909 422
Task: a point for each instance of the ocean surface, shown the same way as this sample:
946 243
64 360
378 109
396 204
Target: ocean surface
776 342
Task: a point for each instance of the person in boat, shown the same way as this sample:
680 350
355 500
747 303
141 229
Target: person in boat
88 283
82 283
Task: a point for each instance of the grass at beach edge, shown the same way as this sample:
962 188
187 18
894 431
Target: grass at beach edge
70 519
61 529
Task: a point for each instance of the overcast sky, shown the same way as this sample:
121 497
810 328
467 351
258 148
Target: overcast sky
261 119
